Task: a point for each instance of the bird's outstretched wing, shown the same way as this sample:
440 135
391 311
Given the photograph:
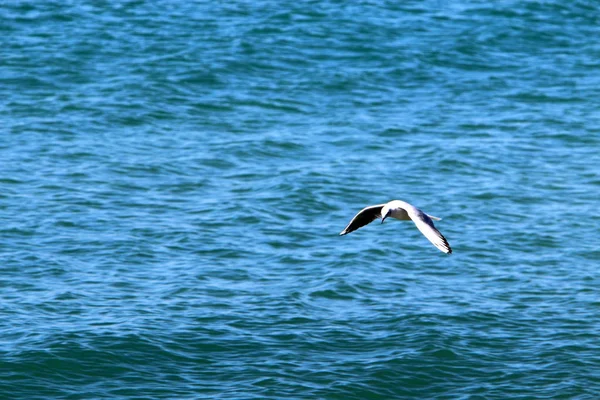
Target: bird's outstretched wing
425 225
364 217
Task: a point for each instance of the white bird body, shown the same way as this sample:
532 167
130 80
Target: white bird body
403 211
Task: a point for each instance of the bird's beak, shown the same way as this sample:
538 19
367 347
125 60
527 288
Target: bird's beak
384 217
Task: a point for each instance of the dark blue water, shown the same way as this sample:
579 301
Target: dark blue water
174 176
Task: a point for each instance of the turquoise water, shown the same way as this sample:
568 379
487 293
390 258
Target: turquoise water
174 176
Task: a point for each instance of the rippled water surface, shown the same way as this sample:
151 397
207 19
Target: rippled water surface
174 176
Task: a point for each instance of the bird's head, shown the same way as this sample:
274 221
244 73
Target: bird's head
385 212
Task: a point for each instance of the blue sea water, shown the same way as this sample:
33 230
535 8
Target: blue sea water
174 176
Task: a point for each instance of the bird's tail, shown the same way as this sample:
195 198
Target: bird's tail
434 218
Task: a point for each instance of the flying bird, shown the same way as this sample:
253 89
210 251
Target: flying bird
400 210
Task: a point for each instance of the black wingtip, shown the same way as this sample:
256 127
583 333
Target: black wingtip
448 248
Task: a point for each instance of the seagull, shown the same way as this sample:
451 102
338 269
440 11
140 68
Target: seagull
400 210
